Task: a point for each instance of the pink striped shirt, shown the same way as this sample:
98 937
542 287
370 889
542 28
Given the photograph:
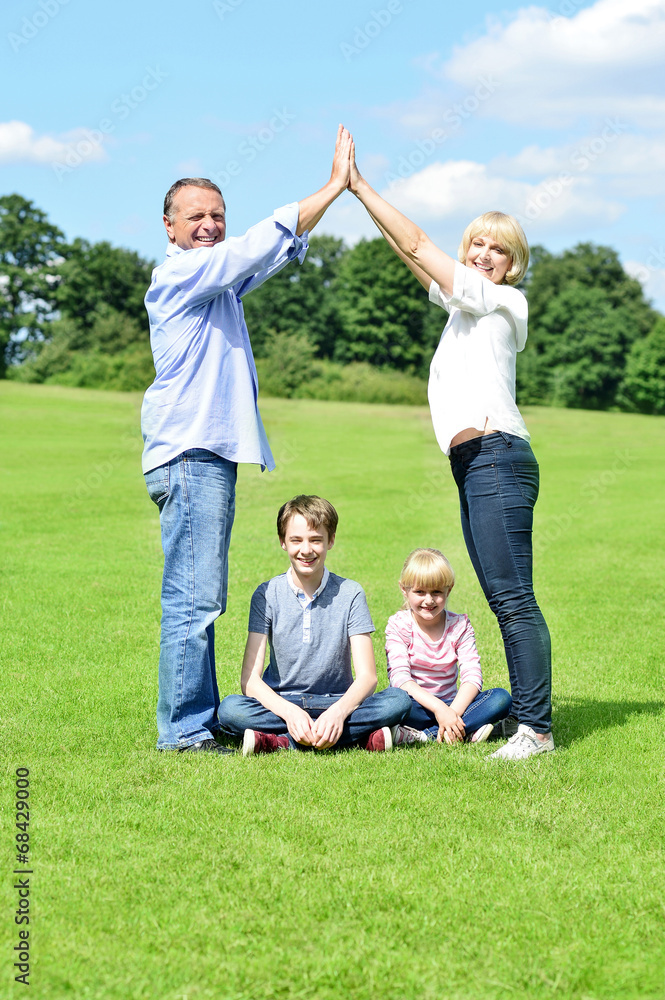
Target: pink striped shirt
435 665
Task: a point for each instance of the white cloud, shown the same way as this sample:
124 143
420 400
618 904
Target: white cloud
462 189
444 197
20 144
629 165
607 152
606 60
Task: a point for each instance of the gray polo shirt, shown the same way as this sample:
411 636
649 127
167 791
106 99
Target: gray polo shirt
310 651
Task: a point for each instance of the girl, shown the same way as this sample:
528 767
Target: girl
429 647
477 423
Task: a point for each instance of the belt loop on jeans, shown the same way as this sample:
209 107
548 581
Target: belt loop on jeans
509 444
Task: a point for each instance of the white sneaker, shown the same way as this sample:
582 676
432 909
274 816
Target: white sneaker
523 744
481 735
401 735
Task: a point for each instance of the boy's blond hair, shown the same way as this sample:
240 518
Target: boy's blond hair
426 569
318 513
506 230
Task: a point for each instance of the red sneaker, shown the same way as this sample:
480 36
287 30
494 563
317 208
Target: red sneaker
380 739
255 742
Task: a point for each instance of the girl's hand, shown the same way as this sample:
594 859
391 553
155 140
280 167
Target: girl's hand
451 727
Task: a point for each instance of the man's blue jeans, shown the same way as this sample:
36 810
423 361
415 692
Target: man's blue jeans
497 478
195 493
488 706
385 708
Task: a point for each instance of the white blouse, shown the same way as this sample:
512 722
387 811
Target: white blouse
472 375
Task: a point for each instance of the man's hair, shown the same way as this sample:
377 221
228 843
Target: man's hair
427 569
317 512
198 182
507 231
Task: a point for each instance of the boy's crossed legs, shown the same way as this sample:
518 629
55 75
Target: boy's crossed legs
386 708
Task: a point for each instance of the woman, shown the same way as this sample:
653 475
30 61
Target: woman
477 423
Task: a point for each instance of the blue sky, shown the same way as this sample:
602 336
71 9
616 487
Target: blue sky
554 113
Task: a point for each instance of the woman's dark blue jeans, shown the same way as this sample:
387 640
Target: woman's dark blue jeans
497 478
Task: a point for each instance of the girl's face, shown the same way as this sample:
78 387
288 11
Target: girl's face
427 606
488 257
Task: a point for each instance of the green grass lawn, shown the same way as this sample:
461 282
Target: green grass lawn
427 873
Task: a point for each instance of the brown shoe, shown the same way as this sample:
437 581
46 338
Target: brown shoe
380 739
255 742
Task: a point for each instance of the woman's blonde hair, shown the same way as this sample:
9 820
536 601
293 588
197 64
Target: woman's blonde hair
427 569
507 231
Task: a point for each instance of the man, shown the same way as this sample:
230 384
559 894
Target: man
200 418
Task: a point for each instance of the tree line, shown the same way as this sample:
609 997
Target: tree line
348 323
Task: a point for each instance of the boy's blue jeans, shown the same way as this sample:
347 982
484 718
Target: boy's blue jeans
488 706
385 708
195 493
497 478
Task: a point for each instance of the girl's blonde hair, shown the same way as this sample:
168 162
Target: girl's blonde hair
427 569
507 231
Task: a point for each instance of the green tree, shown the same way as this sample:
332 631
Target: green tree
643 386
386 319
299 298
98 273
113 352
30 250
585 313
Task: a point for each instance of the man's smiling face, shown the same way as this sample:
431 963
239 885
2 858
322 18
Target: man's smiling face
198 218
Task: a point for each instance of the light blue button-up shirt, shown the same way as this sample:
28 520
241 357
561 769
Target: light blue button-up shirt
206 389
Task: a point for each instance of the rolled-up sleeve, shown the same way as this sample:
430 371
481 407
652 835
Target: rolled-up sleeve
287 217
472 293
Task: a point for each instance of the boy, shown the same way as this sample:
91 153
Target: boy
315 621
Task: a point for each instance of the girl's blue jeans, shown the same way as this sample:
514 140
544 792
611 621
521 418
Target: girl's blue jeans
497 478
488 706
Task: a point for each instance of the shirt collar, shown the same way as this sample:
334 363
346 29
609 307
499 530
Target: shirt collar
172 249
298 590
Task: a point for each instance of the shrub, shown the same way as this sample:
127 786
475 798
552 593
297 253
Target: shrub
358 383
643 386
287 362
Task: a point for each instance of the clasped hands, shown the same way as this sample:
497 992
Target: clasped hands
320 733
451 727
344 172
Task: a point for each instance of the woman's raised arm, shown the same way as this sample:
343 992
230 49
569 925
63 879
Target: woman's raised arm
406 238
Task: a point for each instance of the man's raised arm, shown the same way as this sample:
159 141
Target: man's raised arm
311 209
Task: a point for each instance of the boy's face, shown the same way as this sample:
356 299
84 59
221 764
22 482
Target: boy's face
306 547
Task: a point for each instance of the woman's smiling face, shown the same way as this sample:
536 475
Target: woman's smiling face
488 257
